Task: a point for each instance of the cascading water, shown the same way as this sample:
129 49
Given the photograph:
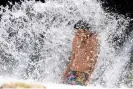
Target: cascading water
36 39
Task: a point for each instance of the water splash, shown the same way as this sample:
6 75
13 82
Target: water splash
36 39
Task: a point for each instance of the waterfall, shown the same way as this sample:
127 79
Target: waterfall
36 40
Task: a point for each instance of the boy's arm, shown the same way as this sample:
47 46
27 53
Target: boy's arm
68 67
71 58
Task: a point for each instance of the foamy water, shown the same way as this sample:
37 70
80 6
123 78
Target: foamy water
36 39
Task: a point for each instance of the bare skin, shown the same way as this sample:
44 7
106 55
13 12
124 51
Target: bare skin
84 53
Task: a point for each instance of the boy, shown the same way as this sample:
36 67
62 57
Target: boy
84 55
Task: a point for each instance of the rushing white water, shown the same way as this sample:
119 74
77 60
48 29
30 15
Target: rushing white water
36 38
48 85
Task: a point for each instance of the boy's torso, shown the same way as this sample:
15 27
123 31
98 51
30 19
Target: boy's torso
84 53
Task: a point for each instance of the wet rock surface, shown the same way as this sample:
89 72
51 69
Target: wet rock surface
22 85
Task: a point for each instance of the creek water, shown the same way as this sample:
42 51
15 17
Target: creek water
36 40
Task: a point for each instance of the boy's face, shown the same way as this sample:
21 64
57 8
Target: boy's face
82 33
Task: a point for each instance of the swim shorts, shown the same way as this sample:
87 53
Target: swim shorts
76 78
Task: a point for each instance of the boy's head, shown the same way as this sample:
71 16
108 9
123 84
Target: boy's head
82 25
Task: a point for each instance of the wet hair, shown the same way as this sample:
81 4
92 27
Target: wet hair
82 25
